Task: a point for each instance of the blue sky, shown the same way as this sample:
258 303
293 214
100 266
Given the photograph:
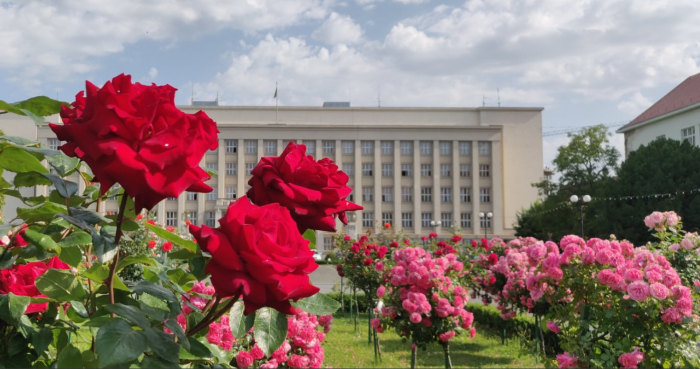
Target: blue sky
585 62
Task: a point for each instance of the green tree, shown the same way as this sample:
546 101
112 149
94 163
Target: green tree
664 166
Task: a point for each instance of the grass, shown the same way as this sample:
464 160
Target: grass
347 349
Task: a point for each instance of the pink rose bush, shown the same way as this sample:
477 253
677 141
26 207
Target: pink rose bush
423 300
681 248
365 262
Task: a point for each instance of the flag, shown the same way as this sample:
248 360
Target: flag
274 97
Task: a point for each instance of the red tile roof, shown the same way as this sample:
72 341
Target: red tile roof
685 94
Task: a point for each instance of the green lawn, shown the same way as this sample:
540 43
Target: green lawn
347 349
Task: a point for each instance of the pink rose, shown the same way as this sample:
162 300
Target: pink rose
415 318
671 315
686 244
380 291
671 218
244 360
638 290
659 291
675 247
632 359
552 326
566 360
445 337
633 275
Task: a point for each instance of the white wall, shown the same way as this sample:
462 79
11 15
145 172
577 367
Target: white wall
16 125
670 127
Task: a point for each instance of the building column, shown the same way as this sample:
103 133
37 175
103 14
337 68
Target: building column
358 187
280 148
261 150
497 188
397 185
437 195
221 179
377 186
417 204
200 200
160 217
476 201
181 201
339 163
456 200
240 171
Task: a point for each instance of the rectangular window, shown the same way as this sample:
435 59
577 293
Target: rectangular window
406 170
171 218
348 147
231 146
485 222
387 170
484 148
465 170
231 169
465 194
367 194
426 147
212 166
446 219
465 220
425 219
351 197
54 143
688 134
270 147
387 194
368 219
407 220
349 169
407 194
367 169
210 218
328 147
169 198
445 170
251 146
484 170
465 148
446 194
191 196
445 148
328 244
249 168
485 194
367 147
211 196
310 147
426 170
406 147
230 192
191 216
426 194
387 147
388 218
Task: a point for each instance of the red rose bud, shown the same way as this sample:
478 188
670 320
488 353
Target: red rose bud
21 277
474 244
432 235
170 229
347 238
188 223
492 280
151 244
485 244
394 245
387 225
315 192
167 246
258 252
493 259
139 217
456 238
151 222
134 135
339 268
367 261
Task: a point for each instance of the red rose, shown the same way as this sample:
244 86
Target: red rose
166 246
339 268
493 259
20 280
134 135
151 244
259 253
474 244
315 192
485 244
367 261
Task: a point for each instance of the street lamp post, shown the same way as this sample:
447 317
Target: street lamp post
584 200
488 215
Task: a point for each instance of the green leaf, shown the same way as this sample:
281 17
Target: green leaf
174 327
63 164
12 307
41 213
310 235
118 343
89 216
41 340
172 237
38 105
154 307
71 255
16 159
31 179
197 266
240 324
21 141
162 345
78 223
197 349
161 293
76 238
104 247
60 285
181 254
134 259
318 304
270 329
129 225
64 188
69 357
39 239
130 313
79 309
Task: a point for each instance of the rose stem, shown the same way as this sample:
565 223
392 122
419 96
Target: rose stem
205 323
117 238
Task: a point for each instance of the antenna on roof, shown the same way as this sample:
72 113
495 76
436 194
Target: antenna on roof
498 91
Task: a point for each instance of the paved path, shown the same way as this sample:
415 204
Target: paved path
325 277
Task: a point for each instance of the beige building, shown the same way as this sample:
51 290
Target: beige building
420 169
676 116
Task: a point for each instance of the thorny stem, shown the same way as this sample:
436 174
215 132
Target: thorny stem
117 238
205 323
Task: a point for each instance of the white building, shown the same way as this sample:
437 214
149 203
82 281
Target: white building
676 116
408 166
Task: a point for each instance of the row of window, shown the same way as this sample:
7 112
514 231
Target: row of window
426 194
191 216
229 193
688 134
465 220
426 170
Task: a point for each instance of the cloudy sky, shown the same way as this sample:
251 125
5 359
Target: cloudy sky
585 62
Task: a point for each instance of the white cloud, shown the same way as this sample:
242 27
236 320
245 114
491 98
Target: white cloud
153 73
338 29
634 104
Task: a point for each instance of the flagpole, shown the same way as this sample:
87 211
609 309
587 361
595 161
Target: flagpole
277 105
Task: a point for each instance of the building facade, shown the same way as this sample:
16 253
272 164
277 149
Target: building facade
421 170
675 116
